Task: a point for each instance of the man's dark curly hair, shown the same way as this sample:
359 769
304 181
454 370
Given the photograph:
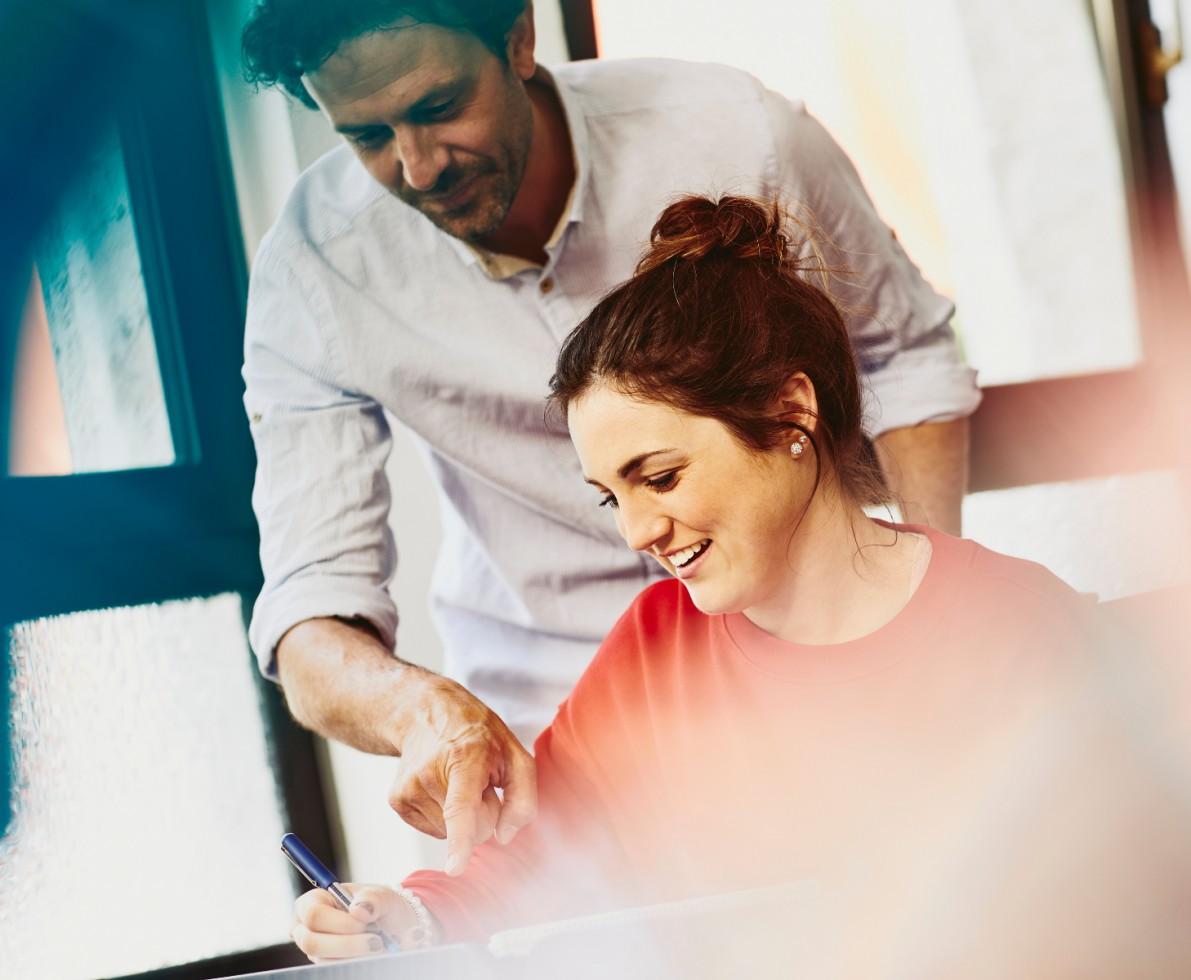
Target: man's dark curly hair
285 39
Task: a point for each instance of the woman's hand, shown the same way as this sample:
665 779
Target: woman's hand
325 932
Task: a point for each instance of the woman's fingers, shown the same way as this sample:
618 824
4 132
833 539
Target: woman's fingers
321 946
334 921
318 911
325 931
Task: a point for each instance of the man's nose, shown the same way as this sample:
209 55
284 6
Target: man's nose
642 526
421 157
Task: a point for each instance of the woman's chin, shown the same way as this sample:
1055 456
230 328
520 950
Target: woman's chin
711 601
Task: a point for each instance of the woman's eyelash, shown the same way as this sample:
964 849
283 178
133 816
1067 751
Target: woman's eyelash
659 483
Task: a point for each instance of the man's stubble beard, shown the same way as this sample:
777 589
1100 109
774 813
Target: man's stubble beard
484 214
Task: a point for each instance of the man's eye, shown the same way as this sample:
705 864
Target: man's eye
369 138
440 110
609 501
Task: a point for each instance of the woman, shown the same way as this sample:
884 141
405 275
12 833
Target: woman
814 694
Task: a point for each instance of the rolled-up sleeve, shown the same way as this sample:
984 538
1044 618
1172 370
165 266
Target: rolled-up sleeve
321 495
899 326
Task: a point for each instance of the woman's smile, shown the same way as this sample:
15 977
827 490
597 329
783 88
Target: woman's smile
687 561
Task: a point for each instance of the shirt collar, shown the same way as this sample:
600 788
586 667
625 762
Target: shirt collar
498 266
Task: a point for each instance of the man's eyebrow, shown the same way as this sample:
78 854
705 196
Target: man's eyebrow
445 90
363 128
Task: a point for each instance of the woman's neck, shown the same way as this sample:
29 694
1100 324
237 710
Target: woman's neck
846 576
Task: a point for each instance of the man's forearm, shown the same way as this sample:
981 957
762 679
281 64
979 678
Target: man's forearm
926 466
343 683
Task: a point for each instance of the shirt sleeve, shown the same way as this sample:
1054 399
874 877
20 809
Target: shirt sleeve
900 327
321 496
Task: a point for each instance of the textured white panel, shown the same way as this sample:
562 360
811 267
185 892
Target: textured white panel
1115 536
147 819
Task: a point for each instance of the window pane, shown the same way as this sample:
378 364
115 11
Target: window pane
97 403
1115 536
146 816
983 131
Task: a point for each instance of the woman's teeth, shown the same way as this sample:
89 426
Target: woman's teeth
687 555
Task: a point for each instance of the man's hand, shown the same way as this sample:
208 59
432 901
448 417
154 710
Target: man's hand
456 754
463 776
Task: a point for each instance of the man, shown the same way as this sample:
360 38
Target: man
432 268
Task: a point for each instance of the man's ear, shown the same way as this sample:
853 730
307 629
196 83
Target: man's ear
797 401
520 45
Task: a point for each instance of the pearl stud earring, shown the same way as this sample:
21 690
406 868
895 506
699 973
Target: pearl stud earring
798 446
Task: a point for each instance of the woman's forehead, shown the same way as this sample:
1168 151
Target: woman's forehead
609 427
604 406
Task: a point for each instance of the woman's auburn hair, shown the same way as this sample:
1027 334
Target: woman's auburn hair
717 318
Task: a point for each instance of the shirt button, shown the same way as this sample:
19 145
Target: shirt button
546 285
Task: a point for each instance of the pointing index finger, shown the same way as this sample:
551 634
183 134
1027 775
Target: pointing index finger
465 790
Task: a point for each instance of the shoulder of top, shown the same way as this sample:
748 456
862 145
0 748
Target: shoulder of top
656 610
1019 579
637 643
663 600
628 84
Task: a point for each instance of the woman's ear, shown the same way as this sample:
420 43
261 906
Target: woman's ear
797 401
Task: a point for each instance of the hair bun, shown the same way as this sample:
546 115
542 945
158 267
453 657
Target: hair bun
694 227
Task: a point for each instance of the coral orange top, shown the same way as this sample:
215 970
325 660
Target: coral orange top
699 754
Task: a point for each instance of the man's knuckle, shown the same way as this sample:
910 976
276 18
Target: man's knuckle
465 751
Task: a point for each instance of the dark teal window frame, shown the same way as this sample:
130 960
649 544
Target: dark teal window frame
97 540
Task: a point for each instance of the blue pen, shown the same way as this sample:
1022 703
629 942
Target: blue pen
319 875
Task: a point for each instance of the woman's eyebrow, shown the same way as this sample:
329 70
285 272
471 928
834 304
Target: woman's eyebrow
630 467
634 464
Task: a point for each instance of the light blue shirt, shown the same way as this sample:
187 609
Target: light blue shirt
359 304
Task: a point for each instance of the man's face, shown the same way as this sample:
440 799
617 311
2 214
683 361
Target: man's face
436 118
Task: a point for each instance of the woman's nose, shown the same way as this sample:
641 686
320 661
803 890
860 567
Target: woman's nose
642 527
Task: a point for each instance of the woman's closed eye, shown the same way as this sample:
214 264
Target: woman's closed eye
664 482
659 484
